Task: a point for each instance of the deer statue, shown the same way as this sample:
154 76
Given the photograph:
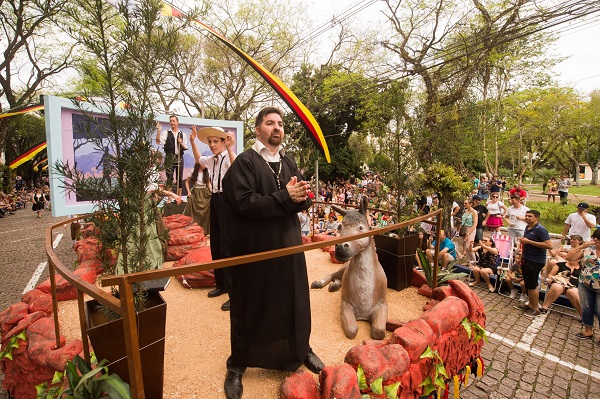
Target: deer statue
363 281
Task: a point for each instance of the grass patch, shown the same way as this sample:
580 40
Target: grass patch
552 215
585 189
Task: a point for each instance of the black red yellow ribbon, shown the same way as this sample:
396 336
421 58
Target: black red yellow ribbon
22 111
297 107
27 155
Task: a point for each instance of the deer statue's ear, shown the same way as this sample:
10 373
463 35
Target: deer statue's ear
339 210
364 204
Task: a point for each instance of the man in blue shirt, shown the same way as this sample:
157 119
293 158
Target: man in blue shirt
535 242
447 250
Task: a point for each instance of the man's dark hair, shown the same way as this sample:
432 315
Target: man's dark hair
174 116
596 234
515 196
266 111
533 212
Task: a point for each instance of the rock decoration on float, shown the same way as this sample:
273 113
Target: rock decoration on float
29 355
426 357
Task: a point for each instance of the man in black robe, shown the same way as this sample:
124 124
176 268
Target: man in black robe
270 303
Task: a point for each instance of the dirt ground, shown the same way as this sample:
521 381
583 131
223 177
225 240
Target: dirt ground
197 335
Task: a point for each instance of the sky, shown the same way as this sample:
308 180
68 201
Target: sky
580 41
582 45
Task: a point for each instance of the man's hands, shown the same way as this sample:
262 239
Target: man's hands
193 134
298 190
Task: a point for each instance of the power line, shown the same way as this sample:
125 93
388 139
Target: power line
447 56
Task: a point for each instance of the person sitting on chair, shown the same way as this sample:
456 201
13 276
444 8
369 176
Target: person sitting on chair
514 276
558 256
563 278
486 265
447 250
332 226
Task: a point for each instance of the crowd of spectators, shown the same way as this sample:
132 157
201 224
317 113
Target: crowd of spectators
21 196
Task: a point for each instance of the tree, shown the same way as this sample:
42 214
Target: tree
124 42
27 131
445 43
339 101
29 61
211 80
592 135
442 179
538 122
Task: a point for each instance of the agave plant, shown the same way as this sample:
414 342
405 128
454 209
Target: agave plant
443 276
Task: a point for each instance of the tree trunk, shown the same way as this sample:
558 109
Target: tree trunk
594 167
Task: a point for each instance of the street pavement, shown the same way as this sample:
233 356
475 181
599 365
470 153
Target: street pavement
534 358
524 358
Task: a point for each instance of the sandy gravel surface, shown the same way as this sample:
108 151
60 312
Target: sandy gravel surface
197 336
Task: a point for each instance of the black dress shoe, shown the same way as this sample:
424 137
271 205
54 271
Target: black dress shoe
233 385
313 363
226 306
216 292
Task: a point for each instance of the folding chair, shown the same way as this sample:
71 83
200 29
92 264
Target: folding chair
505 245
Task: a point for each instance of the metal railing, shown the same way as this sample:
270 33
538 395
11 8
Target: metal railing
124 305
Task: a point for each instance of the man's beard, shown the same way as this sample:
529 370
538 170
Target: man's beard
274 141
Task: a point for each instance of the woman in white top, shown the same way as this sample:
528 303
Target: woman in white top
496 212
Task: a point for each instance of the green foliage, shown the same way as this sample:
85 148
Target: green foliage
473 327
444 180
552 215
12 343
362 380
344 105
544 175
391 391
84 382
443 276
438 375
124 48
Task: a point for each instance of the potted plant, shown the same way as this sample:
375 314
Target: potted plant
122 47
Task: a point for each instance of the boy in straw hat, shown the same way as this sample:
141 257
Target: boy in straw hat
221 144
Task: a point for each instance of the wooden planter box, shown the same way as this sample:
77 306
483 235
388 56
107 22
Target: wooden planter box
397 257
108 341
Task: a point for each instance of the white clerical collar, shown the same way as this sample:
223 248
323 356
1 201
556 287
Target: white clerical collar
264 152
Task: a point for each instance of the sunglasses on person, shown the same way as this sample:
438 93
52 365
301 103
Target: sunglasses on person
485 240
494 196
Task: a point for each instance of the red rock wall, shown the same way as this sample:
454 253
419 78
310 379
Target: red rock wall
398 358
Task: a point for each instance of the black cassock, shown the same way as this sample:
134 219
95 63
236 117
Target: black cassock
270 304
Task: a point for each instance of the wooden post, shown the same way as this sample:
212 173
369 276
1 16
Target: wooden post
132 345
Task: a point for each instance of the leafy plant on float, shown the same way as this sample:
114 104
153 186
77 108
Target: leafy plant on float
84 382
443 276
